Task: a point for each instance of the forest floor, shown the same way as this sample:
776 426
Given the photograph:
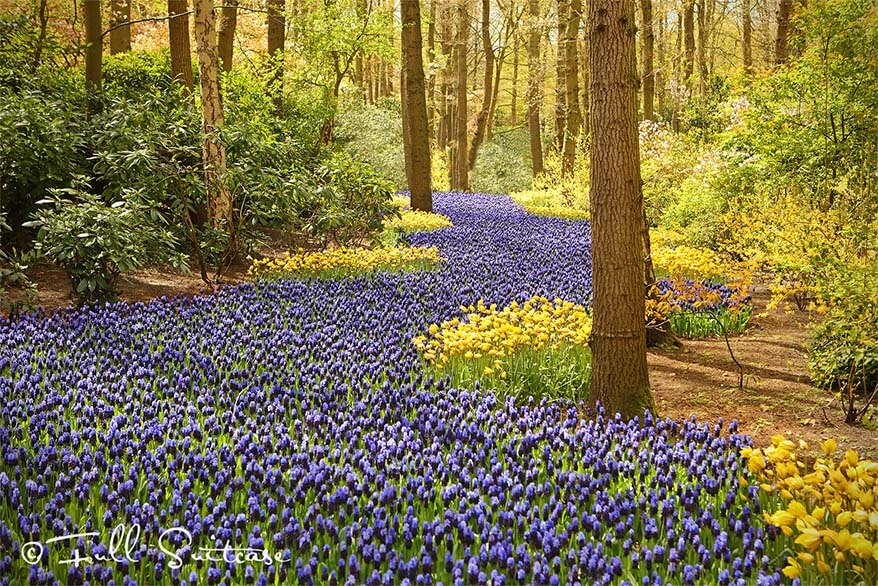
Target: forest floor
700 379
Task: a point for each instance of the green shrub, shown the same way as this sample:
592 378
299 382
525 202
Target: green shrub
373 135
95 242
503 165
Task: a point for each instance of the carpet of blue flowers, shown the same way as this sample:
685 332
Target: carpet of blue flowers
294 418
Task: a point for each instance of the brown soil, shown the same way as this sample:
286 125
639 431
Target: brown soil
700 379
777 398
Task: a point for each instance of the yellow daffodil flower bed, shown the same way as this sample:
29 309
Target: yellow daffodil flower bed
536 348
342 262
418 221
543 204
830 513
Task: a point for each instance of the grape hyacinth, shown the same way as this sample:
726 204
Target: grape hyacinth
285 432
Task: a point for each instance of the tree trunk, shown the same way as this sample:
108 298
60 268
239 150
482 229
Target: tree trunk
94 53
498 69
747 36
701 51
561 76
620 380
784 14
460 175
178 39
415 120
276 40
431 76
659 67
406 127
226 33
648 45
120 38
574 117
219 199
583 65
534 83
485 110
445 87
514 106
688 41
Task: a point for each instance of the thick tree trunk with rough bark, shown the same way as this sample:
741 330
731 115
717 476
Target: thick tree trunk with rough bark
460 166
747 36
561 76
534 82
647 49
415 119
620 381
574 116
120 38
219 198
94 53
178 40
431 75
228 22
485 110
784 14
276 40
701 50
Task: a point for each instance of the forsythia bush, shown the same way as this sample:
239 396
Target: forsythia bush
831 511
342 261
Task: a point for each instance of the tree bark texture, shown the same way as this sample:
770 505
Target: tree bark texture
219 199
415 119
571 69
485 110
747 36
120 38
561 76
647 50
701 50
784 14
276 40
178 40
94 53
514 106
460 175
688 41
534 83
620 381
228 22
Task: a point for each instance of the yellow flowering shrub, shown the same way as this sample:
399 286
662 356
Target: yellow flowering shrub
418 221
828 509
551 204
346 261
524 348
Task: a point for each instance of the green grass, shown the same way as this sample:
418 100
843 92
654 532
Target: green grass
707 324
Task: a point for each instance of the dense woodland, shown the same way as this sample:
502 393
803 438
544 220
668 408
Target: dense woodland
673 160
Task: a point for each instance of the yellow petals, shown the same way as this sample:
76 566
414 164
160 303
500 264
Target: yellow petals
809 538
843 518
418 221
793 570
829 446
345 261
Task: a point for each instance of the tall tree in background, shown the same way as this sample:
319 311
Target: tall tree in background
513 115
701 51
561 76
488 86
534 81
459 160
647 50
431 68
228 22
120 36
620 381
784 14
94 52
415 120
219 198
571 70
178 40
276 41
747 36
688 41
